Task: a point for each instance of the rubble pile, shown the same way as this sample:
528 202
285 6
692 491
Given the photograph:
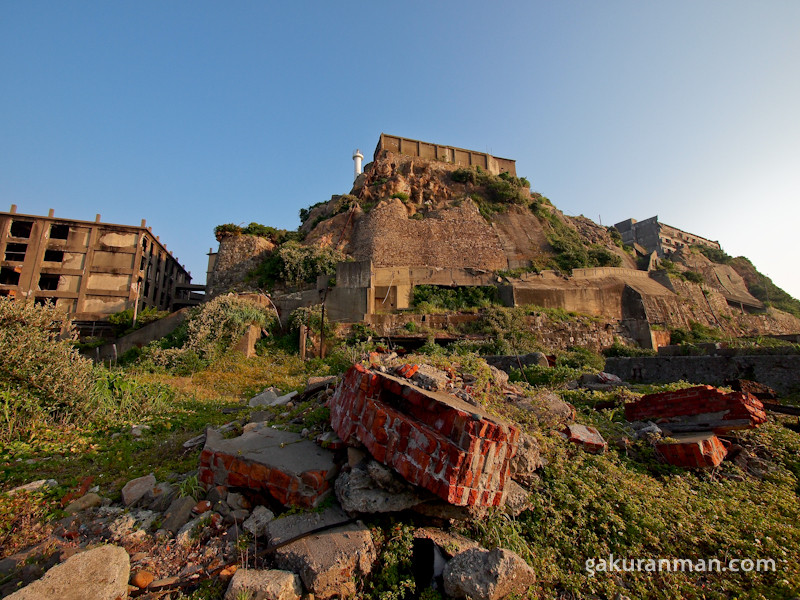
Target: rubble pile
434 440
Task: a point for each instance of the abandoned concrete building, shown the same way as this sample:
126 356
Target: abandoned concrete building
658 237
449 154
89 269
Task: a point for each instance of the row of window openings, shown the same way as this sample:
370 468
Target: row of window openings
22 229
47 281
16 252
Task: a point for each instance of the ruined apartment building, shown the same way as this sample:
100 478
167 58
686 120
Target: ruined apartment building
449 154
88 269
659 237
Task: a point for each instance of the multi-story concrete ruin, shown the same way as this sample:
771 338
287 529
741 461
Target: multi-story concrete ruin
658 237
89 269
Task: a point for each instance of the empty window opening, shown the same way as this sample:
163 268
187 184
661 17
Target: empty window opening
9 276
21 229
16 251
56 256
5 292
49 281
59 232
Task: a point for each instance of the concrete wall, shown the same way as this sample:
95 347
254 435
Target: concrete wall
779 372
141 337
451 154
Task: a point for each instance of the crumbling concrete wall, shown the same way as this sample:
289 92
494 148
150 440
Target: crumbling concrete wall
779 372
237 256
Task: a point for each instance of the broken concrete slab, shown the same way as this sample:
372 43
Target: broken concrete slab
265 398
291 469
487 575
431 378
101 573
434 440
527 460
257 522
257 584
518 499
692 450
358 492
699 408
328 562
587 437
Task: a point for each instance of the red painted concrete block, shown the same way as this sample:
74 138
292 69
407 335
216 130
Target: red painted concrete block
693 450
433 439
588 437
699 408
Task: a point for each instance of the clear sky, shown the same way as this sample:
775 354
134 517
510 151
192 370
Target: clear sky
192 114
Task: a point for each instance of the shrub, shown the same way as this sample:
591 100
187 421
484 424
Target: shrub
43 379
693 276
123 320
455 298
294 263
400 196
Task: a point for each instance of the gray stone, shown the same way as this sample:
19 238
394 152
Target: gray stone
137 431
34 486
218 493
257 522
487 575
82 503
237 501
239 515
159 497
517 499
527 460
264 585
355 456
431 378
499 378
317 383
136 488
358 492
265 398
187 535
178 513
328 562
98 574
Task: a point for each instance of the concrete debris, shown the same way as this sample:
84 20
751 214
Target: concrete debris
759 390
527 460
257 522
294 471
34 486
692 450
432 439
357 492
85 502
518 499
318 383
587 437
487 575
265 398
700 408
178 514
101 574
431 378
257 584
451 544
136 488
328 562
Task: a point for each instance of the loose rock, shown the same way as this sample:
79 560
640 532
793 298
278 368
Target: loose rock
487 575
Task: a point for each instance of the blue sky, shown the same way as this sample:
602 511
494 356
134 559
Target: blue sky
192 114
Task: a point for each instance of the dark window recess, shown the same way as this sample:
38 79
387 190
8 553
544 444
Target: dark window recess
49 281
8 276
146 289
16 251
21 229
53 256
5 292
59 232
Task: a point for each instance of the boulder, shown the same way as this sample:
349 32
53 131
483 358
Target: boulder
136 488
265 398
549 409
264 585
487 575
98 574
527 460
517 499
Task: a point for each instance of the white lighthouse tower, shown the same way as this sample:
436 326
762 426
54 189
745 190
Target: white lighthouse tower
357 158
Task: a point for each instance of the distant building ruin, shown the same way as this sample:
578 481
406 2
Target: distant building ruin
89 269
658 237
450 154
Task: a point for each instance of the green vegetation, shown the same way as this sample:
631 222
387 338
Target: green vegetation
432 298
123 321
276 236
697 333
295 264
757 283
571 251
499 189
